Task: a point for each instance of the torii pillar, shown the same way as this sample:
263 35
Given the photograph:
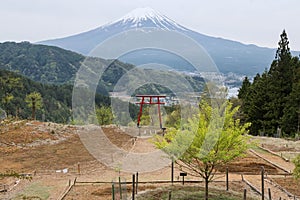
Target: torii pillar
150 102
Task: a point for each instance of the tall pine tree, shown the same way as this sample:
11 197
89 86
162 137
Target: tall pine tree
280 75
258 105
244 90
243 97
291 113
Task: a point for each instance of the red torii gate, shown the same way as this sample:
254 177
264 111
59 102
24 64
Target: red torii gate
158 102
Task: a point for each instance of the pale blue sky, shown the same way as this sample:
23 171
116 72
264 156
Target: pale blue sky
257 22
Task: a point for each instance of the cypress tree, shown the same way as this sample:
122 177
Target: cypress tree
243 97
291 114
280 83
244 90
258 105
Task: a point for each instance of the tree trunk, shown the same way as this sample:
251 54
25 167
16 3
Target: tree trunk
206 188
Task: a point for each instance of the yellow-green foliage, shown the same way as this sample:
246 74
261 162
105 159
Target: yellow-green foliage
296 171
210 139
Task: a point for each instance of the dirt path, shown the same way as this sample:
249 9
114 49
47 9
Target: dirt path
280 162
106 152
276 193
256 180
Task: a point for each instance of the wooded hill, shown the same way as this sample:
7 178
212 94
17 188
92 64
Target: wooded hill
56 99
51 71
40 63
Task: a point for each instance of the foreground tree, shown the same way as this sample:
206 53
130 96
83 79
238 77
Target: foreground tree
34 101
208 141
296 171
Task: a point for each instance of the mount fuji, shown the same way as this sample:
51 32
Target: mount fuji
229 56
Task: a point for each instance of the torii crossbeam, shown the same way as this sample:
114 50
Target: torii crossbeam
152 99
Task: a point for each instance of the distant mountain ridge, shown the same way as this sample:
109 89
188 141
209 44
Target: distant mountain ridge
229 56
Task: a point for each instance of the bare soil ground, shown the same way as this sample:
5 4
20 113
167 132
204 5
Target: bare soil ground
28 150
289 183
156 191
250 164
46 149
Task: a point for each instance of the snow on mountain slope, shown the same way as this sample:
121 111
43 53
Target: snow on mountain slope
143 16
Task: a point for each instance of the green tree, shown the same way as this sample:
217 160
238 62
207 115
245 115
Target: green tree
34 101
296 171
145 118
243 100
244 90
256 106
7 86
280 74
259 113
203 144
291 113
283 52
173 119
104 115
178 115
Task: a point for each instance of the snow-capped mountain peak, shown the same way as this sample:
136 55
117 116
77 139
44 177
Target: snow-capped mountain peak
145 18
143 14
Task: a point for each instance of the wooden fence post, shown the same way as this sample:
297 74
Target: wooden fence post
245 194
113 191
172 172
75 180
170 195
78 168
133 186
137 181
120 188
262 183
227 184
